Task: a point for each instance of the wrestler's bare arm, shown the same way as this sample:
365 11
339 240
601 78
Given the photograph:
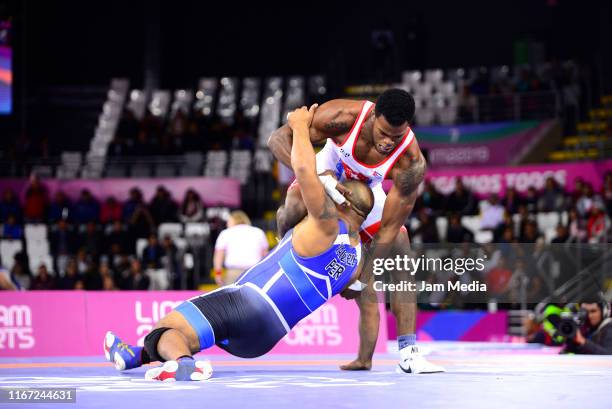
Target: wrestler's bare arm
332 120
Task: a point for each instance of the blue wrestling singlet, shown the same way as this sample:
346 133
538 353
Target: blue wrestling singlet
249 317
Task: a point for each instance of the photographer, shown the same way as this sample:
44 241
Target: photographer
595 336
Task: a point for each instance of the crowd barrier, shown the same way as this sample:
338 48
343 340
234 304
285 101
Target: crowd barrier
486 180
73 323
213 191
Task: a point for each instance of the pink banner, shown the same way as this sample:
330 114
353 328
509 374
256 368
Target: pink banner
73 323
487 180
213 191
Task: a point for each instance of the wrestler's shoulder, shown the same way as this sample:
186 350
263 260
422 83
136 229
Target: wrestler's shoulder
340 106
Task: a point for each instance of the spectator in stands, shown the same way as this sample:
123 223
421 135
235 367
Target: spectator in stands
238 248
91 239
427 229
108 283
512 200
552 198
562 235
70 277
116 237
11 230
192 209
577 193
43 281
597 225
92 278
83 260
128 126
588 200
506 224
86 209
498 278
430 199
461 200
141 224
456 233
20 273
152 253
492 213
117 148
577 227
135 278
9 206
62 240
36 199
162 207
134 201
530 233
111 211
524 218
606 190
171 262
60 208
531 200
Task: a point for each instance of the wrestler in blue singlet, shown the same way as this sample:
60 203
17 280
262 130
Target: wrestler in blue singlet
249 317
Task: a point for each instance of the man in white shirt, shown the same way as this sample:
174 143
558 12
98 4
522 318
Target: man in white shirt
238 248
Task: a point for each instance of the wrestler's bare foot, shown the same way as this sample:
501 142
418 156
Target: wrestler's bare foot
357 365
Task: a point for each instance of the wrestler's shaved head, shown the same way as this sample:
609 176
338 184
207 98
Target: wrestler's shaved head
361 197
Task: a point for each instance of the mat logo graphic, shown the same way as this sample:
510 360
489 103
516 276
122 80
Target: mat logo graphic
321 328
16 327
148 317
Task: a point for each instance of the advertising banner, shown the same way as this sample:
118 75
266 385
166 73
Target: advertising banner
60 323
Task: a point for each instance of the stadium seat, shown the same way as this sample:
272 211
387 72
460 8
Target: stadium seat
317 87
216 162
35 232
183 98
173 230
548 221
249 99
220 212
116 170
240 165
434 77
472 223
263 161
294 97
140 246
165 170
197 229
141 170
483 237
205 96
270 117
8 250
226 106
160 103
137 103
442 226
37 260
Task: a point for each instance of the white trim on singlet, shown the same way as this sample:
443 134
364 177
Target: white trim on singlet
272 280
308 271
269 301
357 125
296 290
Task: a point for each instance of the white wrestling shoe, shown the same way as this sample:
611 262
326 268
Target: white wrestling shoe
181 370
411 361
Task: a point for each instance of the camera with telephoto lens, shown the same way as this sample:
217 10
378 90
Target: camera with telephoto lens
569 323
